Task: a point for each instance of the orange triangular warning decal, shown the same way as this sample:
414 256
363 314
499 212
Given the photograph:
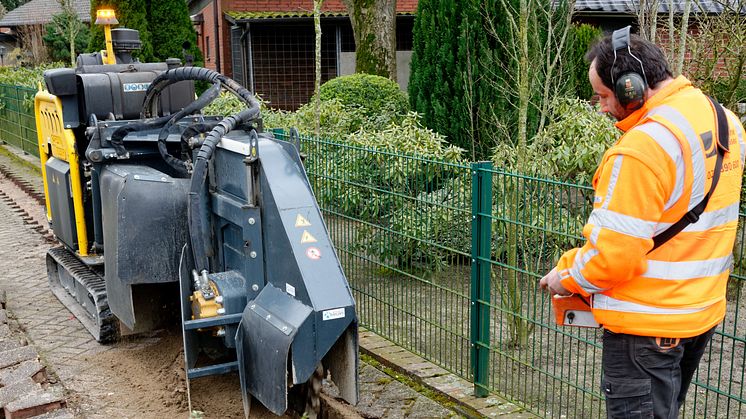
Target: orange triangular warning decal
307 237
300 221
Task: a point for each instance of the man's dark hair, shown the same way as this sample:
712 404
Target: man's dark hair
653 61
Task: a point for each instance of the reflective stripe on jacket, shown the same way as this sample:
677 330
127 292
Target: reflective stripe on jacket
660 169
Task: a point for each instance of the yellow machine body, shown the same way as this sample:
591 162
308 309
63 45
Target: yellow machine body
55 141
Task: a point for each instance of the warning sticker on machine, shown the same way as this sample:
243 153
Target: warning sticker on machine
307 237
300 221
290 289
313 253
336 313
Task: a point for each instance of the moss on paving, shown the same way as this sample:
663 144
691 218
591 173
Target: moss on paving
419 388
13 156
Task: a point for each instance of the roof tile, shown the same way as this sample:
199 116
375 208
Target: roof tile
41 12
626 6
300 8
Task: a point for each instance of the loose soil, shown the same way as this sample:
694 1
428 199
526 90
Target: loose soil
147 375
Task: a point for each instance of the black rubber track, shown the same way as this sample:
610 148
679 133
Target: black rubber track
83 292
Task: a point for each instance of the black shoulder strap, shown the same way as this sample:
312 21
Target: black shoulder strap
693 215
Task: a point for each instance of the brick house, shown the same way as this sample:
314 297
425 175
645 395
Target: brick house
613 14
268 45
28 19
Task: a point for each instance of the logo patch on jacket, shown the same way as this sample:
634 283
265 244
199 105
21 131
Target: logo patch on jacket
707 141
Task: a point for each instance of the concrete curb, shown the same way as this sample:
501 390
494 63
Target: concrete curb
28 160
438 380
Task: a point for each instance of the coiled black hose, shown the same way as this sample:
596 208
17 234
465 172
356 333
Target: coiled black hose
205 99
164 122
191 131
198 210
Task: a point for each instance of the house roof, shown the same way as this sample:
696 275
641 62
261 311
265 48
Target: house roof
631 6
41 12
303 8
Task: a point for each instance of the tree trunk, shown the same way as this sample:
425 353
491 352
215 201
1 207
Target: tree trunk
524 87
653 21
72 49
317 83
374 27
681 48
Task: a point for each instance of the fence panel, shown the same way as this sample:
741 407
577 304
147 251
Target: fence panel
17 123
551 371
719 382
391 218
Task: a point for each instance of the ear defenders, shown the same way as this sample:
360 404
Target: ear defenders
630 87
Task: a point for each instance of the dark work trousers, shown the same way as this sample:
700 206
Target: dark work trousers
648 377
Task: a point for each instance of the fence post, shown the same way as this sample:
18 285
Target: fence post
20 113
481 237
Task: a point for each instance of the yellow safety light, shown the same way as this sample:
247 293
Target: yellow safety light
107 17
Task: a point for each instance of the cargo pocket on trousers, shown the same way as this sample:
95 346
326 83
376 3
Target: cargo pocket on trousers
627 398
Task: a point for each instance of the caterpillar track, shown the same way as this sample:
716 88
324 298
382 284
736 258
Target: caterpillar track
83 291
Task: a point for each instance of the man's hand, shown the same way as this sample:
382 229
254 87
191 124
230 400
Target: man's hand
551 282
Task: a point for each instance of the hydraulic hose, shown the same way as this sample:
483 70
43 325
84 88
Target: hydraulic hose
205 99
158 85
152 102
192 131
150 107
198 212
117 137
152 95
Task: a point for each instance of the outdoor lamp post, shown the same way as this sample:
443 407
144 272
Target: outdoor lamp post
2 55
107 17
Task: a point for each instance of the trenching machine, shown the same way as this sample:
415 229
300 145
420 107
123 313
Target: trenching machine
161 210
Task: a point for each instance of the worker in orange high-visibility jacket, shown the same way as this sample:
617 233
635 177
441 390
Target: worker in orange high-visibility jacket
658 308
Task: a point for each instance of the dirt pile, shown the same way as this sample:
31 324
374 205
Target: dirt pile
147 376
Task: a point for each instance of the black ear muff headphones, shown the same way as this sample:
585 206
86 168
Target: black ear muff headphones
630 87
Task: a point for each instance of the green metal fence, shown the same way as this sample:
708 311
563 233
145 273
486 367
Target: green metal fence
444 260
17 124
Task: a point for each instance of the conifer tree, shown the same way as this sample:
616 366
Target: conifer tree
66 35
11 4
583 37
484 71
170 27
447 85
434 79
131 14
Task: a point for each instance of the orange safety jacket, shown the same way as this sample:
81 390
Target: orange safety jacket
658 170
